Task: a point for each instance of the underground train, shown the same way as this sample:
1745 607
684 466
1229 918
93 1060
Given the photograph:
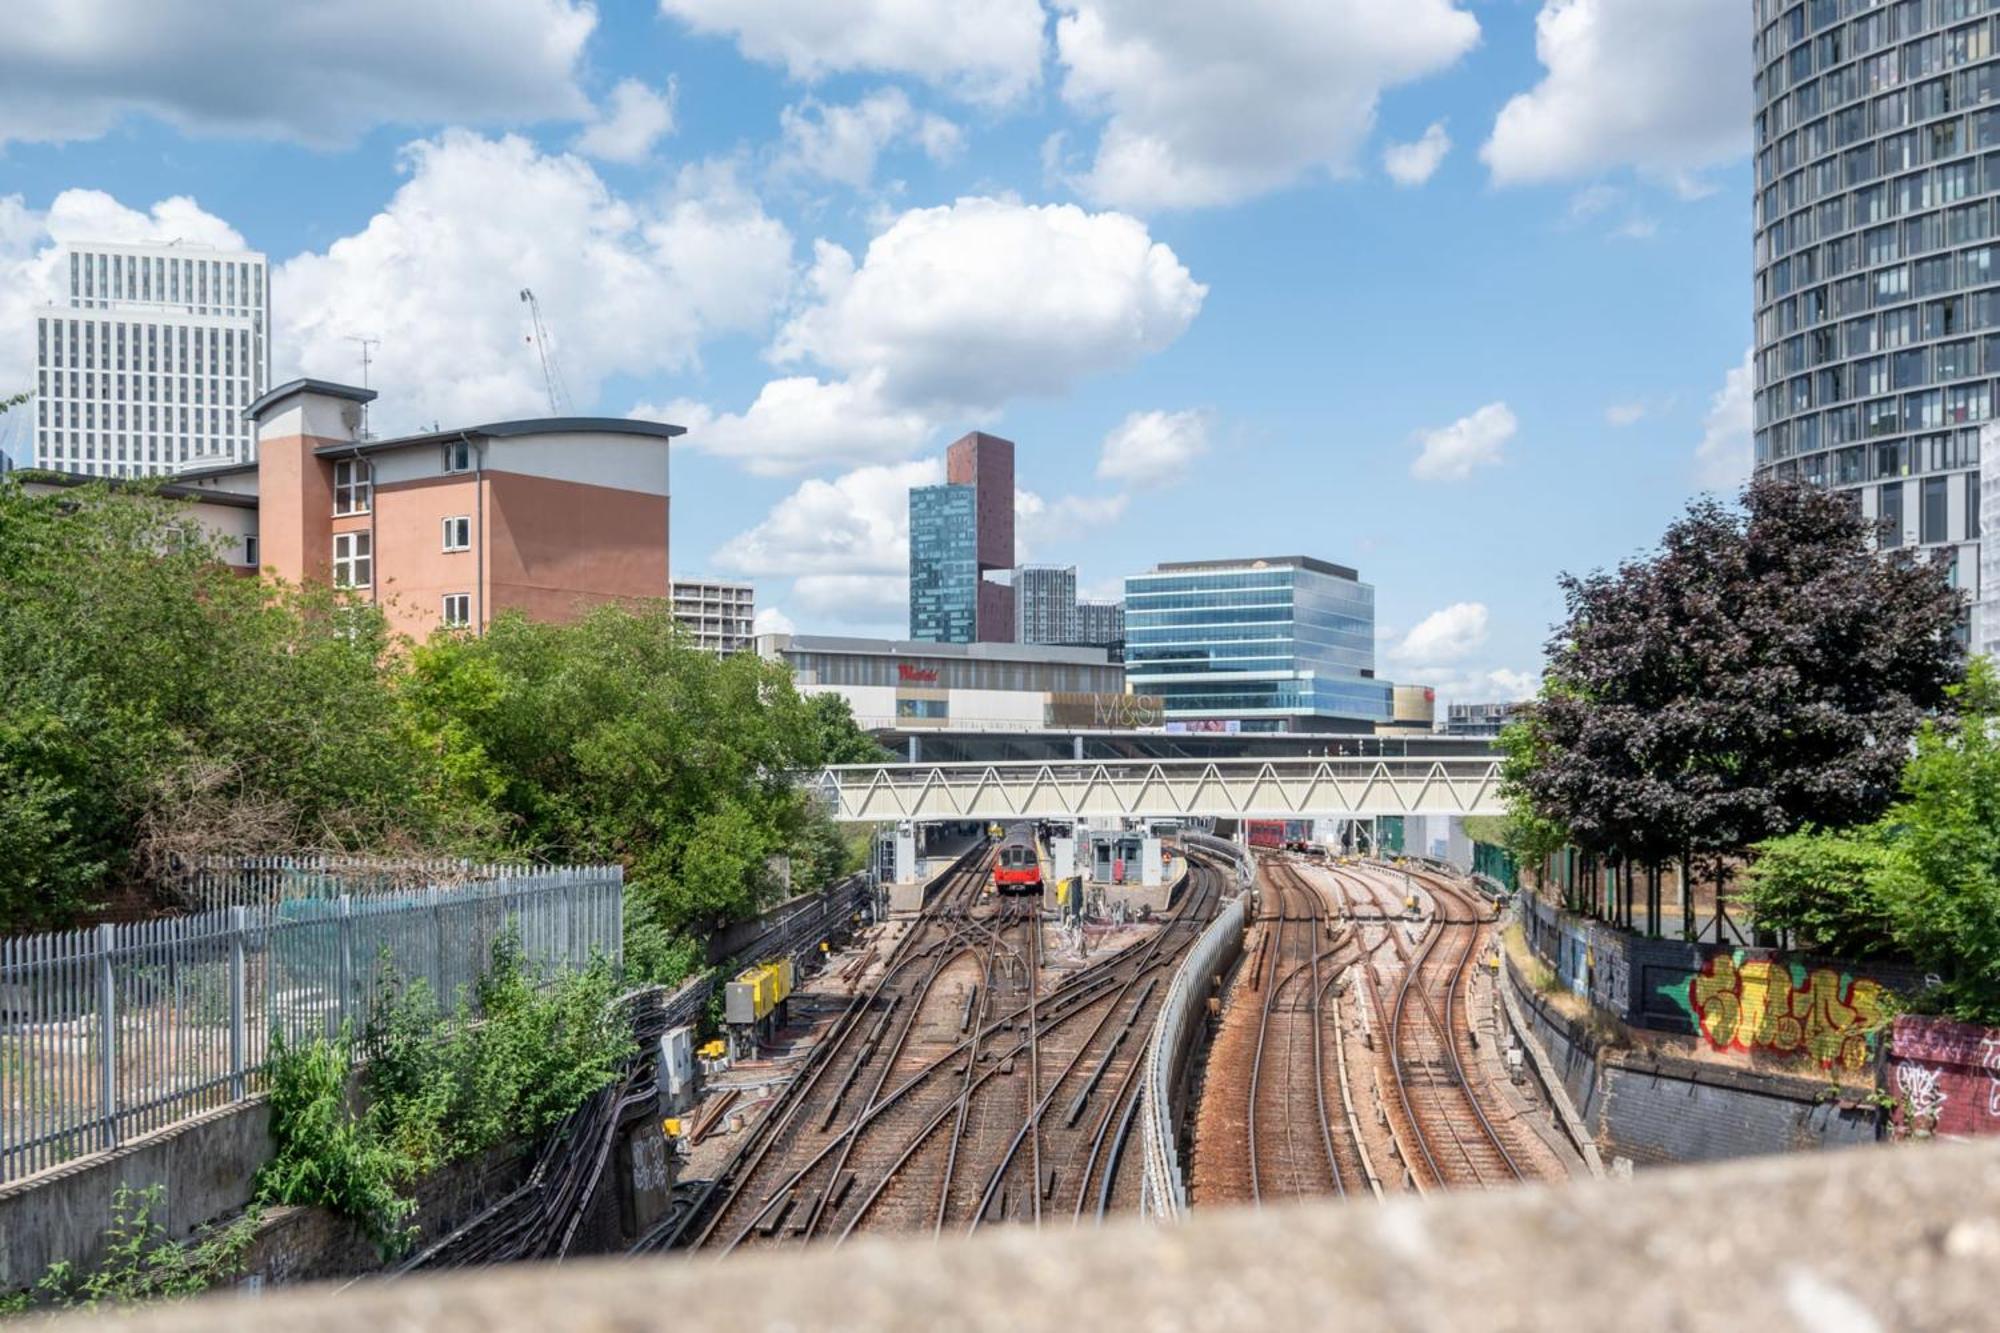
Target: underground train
1017 862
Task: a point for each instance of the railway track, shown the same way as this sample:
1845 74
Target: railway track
1448 1137
955 1092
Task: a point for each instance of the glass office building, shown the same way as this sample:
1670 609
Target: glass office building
1284 643
1877 302
944 564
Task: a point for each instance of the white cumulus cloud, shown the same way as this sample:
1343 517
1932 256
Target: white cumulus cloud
1211 103
770 620
841 142
316 74
1149 449
950 314
1416 162
1451 453
1659 85
975 302
986 51
626 287
1041 526
636 119
1722 459
857 523
1624 414
800 422
1449 634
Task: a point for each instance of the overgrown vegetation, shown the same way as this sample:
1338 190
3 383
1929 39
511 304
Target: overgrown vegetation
507 1064
1923 881
155 705
142 1262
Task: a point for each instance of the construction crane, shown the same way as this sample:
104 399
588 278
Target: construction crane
552 378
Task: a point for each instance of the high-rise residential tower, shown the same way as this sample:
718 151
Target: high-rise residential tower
960 533
1045 604
148 367
1877 292
719 614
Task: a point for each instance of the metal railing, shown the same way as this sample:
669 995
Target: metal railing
1163 1192
118 1031
1167 788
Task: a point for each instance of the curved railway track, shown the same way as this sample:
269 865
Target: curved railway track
1448 1137
954 1092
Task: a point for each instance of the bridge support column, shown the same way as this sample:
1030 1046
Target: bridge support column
906 853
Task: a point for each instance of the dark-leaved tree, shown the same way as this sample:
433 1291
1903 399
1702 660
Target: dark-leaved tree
1765 669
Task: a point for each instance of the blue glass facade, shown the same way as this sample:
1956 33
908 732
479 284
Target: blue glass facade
1283 644
944 564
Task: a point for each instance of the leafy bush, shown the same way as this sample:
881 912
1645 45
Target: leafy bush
1922 882
142 1262
323 1153
508 1064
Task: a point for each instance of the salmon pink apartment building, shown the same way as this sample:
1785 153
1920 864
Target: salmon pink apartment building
446 528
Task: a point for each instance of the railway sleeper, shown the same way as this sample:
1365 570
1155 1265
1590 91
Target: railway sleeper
774 1217
1082 1098
836 1193
802 1216
1049 1184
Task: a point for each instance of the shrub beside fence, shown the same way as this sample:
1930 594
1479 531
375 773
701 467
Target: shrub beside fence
114 1032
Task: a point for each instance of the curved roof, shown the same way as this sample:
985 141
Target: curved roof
502 429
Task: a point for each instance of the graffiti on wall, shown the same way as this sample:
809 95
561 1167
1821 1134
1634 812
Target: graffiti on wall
1768 1005
1948 1075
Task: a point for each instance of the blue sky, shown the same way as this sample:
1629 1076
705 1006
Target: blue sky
1158 243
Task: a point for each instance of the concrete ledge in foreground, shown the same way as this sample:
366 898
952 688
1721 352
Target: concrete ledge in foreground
1889 1238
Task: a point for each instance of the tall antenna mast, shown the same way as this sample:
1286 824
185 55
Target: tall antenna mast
366 344
552 379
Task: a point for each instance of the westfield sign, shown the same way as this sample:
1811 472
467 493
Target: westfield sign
916 675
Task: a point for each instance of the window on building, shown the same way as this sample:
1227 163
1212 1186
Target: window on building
250 551
458 456
458 534
1933 518
1889 512
353 486
353 560
457 610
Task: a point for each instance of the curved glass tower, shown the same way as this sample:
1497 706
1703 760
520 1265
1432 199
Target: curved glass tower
1877 296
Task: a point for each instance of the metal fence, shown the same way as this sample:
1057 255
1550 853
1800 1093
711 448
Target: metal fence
209 883
115 1032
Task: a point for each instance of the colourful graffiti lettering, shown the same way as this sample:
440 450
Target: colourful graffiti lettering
1764 1005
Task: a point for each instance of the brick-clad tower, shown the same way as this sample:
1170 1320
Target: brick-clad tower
986 463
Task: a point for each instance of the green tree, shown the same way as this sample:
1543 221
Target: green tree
610 738
1922 882
153 704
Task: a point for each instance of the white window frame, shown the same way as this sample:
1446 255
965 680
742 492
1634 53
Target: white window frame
250 550
458 533
463 619
353 486
353 560
457 456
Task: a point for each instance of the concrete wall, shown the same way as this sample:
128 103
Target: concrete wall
1760 1005
207 1167
1658 1110
1890 1238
